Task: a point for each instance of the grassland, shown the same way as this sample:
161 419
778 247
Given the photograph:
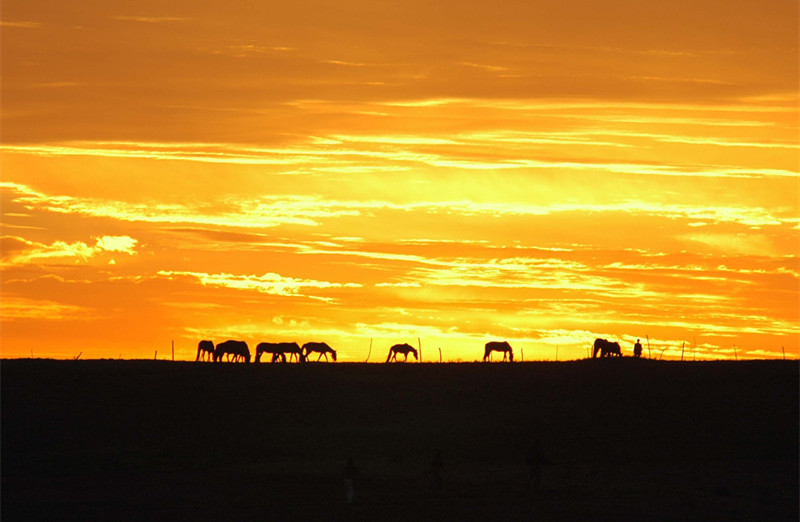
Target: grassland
624 440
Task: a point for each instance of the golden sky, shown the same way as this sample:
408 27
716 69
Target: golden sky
540 172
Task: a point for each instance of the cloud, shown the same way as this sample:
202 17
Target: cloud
125 244
16 308
150 19
20 24
750 244
269 283
480 151
20 251
263 212
274 211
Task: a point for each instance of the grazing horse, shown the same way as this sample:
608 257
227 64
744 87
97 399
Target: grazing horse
279 351
606 348
203 348
321 349
238 349
497 346
401 348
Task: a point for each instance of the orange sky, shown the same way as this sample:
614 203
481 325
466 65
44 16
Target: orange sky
542 172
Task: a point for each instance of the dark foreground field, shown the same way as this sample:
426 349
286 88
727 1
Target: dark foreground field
625 440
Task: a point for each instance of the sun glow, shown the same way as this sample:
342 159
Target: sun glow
442 177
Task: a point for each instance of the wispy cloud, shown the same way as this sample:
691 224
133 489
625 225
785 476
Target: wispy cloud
20 251
273 211
149 19
17 24
19 308
353 159
269 283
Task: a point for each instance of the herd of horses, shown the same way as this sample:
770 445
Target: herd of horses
238 351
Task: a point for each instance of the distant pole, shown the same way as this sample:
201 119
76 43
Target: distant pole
556 353
682 347
370 349
784 352
173 351
522 354
440 354
735 353
694 348
155 356
419 343
649 355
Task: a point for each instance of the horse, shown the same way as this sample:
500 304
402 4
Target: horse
279 351
203 348
606 348
321 349
498 346
238 349
401 348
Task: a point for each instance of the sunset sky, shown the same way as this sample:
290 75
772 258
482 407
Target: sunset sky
462 171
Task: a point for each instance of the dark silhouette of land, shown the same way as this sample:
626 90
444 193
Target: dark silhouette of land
629 439
498 346
404 348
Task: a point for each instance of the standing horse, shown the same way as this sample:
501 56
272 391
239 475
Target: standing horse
497 346
238 349
321 349
405 349
606 348
279 351
205 348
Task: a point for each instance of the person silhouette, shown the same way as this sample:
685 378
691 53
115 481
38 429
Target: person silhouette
535 460
350 472
437 466
637 349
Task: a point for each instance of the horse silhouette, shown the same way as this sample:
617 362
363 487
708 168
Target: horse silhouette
279 350
606 348
205 348
405 349
237 349
321 349
498 346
